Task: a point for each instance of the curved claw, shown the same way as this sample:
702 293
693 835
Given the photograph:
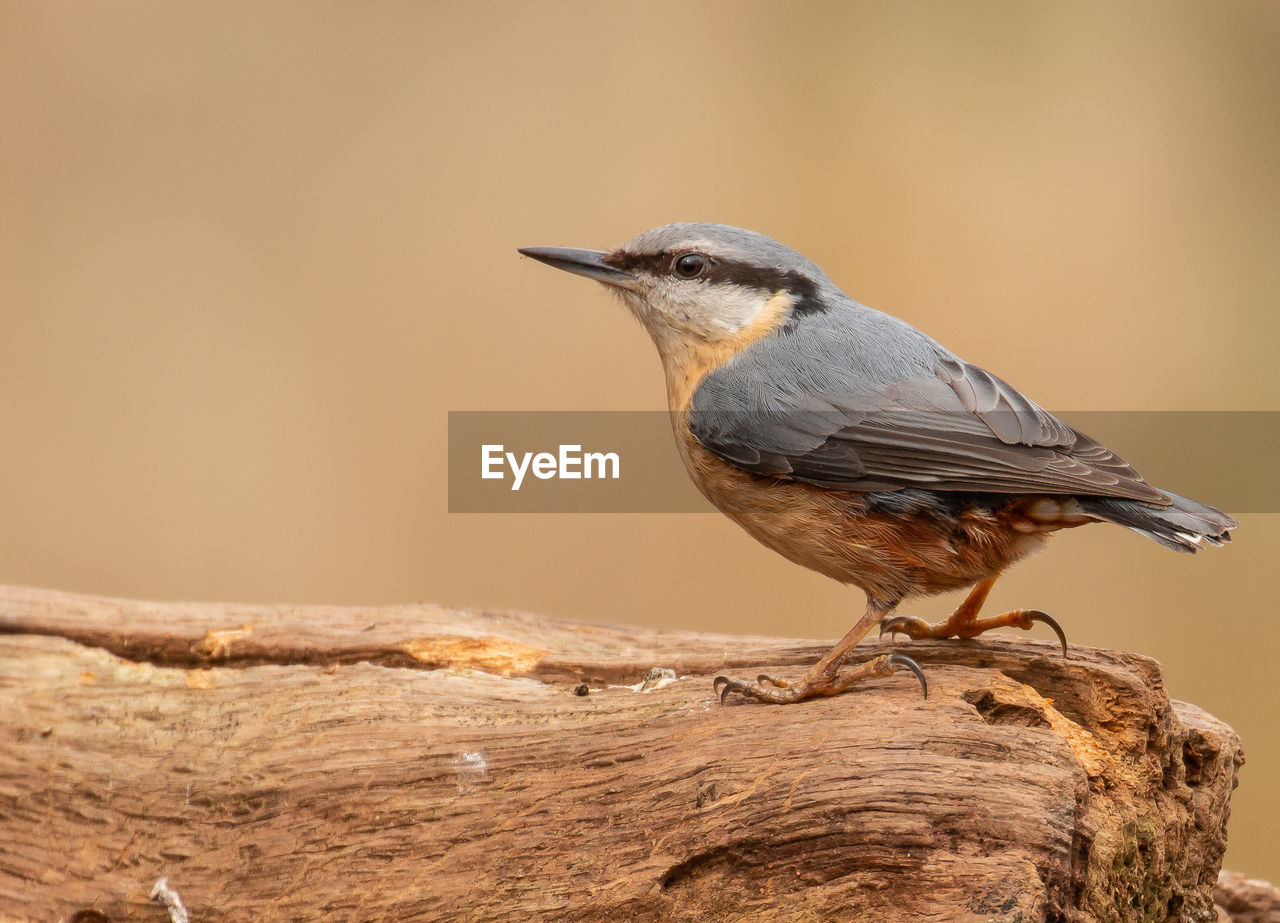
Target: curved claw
723 685
1037 615
894 624
902 660
730 685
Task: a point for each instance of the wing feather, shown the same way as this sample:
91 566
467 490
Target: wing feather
923 418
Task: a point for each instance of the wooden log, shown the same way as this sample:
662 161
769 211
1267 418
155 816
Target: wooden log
416 762
1246 900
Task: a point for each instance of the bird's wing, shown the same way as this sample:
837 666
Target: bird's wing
825 410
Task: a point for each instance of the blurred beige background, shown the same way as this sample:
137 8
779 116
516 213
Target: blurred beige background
251 254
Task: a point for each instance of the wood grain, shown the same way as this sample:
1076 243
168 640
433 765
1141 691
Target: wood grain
416 762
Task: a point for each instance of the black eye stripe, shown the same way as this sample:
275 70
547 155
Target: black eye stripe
655 264
718 269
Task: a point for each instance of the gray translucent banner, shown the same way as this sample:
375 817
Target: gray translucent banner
626 461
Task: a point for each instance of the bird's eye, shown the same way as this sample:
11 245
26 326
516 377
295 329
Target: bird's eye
690 266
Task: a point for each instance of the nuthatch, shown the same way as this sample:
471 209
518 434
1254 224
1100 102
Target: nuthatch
849 442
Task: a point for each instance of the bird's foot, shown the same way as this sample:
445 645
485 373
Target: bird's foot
963 624
780 691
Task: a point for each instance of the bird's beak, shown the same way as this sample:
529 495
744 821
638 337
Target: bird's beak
589 263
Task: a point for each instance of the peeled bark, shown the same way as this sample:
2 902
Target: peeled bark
311 762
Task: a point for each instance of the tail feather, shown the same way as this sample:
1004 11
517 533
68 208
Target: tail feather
1183 525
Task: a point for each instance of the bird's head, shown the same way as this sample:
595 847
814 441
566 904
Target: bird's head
701 289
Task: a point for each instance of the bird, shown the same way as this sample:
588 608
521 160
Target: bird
854 444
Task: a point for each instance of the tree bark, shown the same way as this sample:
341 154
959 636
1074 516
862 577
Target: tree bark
416 762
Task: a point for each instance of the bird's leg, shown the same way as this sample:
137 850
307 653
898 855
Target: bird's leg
964 622
825 677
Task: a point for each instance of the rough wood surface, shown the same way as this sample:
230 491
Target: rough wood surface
415 762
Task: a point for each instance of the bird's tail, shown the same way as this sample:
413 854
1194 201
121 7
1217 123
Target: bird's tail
1183 525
